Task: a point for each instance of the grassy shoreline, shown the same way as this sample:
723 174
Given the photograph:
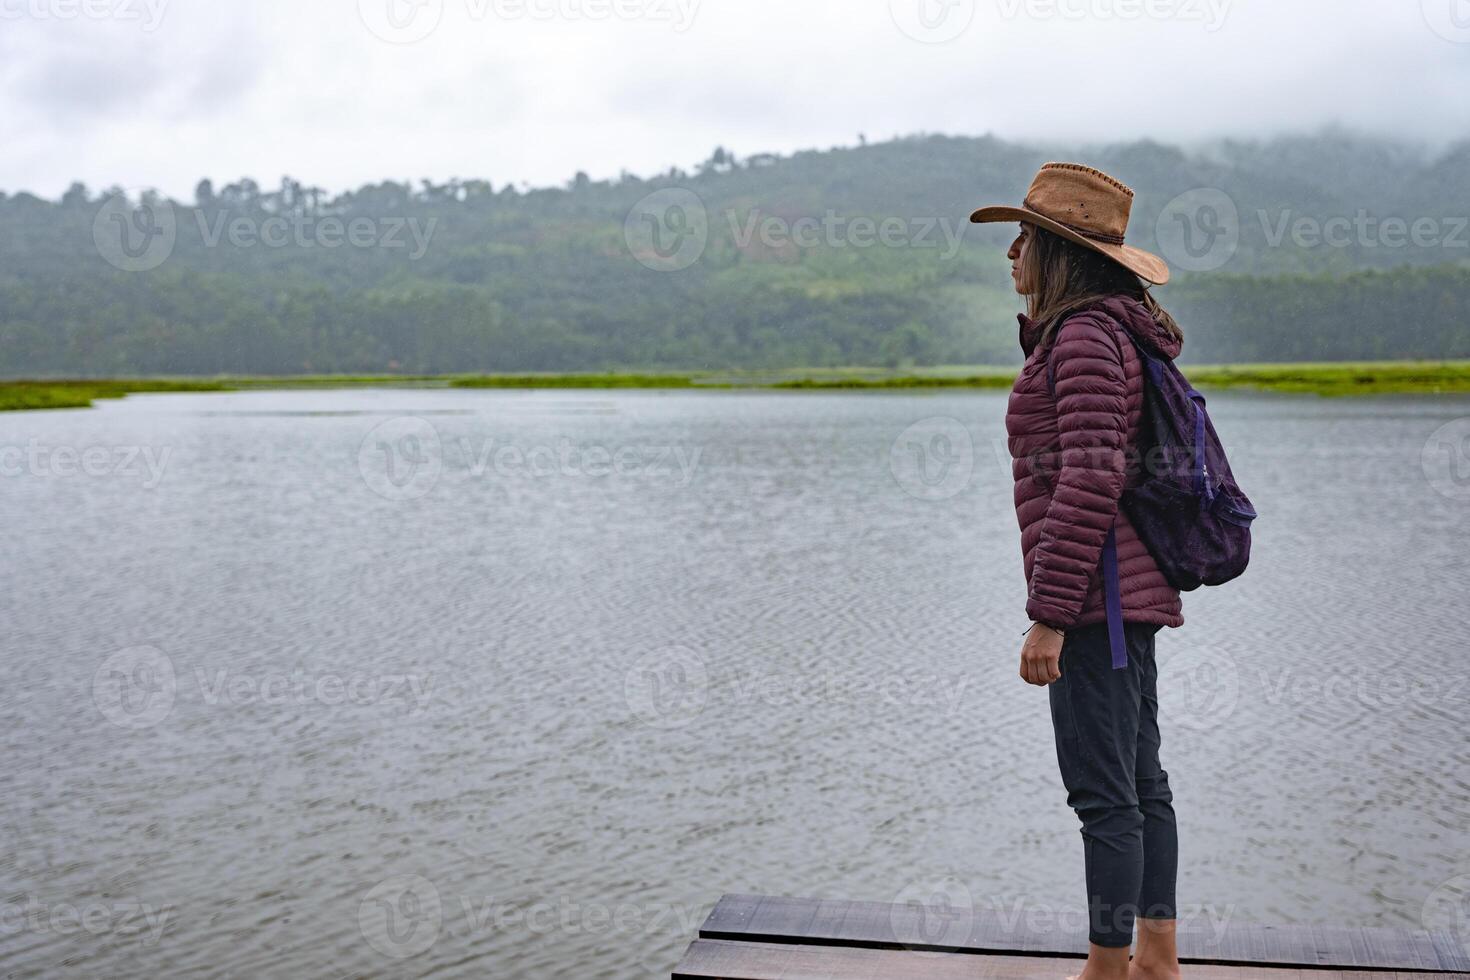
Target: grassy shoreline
1324 378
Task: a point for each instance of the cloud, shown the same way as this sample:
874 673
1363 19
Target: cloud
316 90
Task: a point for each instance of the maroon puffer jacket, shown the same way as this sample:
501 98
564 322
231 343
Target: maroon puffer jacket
1068 457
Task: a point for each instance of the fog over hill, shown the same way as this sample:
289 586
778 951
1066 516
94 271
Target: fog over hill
1325 246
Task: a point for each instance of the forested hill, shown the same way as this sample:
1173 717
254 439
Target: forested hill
1310 248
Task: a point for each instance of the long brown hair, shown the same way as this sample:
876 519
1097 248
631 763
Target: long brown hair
1061 277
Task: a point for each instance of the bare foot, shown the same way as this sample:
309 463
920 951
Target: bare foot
1095 971
1147 971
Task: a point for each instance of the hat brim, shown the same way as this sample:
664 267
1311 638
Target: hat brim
1145 265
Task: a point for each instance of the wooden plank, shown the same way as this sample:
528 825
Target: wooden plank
721 959
877 925
1451 953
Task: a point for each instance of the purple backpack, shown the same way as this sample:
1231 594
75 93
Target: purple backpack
1180 496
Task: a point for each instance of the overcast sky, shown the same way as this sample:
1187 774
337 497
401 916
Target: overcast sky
342 92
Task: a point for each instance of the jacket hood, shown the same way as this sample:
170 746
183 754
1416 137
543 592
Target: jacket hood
1127 311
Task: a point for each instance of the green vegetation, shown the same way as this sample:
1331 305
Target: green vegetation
581 381
16 395
1344 378
507 281
1347 378
1341 379
911 381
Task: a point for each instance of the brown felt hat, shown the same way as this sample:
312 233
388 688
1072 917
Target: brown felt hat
1085 206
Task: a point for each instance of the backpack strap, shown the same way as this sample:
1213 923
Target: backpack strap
1113 600
1202 486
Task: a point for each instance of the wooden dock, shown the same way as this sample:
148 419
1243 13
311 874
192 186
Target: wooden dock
755 937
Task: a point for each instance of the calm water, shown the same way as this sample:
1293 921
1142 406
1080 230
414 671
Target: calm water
517 684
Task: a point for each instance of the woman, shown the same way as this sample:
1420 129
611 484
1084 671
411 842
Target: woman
1073 416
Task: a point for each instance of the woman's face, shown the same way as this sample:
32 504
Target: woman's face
1017 254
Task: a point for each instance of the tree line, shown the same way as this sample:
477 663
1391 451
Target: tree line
842 257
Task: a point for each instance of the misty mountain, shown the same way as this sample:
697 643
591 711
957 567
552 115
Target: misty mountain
848 256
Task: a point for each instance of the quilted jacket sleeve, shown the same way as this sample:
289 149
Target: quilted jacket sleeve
1091 404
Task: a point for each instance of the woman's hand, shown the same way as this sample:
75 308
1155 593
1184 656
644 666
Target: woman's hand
1041 655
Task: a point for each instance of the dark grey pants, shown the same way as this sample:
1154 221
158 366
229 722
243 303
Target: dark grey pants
1107 732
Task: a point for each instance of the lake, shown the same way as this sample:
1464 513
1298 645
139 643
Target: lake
504 683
